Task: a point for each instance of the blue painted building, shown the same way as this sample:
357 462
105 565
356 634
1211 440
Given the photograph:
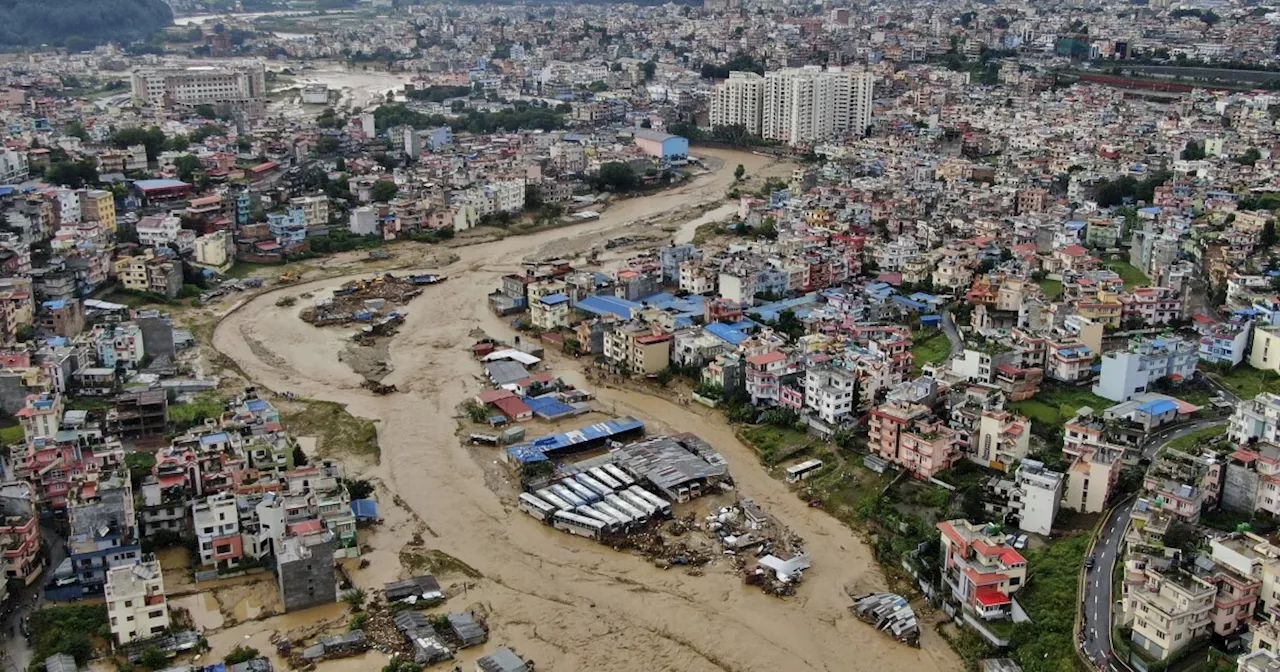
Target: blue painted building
662 145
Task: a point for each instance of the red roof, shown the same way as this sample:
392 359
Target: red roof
491 396
767 358
1075 251
513 407
306 527
991 597
984 579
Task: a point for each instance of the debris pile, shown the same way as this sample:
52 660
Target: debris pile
382 633
890 613
365 300
378 388
663 552
764 552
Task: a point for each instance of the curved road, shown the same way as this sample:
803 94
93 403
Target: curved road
1097 587
953 334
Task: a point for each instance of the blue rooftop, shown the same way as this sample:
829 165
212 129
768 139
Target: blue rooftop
1158 407
608 305
366 509
525 452
554 299
726 333
55 305
257 405
213 438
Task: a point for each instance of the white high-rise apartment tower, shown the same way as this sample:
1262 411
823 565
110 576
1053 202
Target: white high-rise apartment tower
738 100
803 105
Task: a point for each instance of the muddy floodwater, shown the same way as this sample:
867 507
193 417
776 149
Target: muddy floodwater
567 603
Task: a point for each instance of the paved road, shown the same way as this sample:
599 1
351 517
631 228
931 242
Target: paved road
15 655
953 335
1226 391
1097 587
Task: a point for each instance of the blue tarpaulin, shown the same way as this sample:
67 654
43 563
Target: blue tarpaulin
364 509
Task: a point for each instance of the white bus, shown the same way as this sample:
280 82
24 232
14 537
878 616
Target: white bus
576 524
553 499
663 505
568 495
586 494
596 486
639 502
803 470
623 477
536 507
610 525
622 517
617 502
604 477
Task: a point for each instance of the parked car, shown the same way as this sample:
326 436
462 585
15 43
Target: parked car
1021 542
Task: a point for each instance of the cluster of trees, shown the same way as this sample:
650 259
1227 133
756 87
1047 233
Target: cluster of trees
616 176
741 62
1115 192
80 24
1205 15
522 117
152 138
438 93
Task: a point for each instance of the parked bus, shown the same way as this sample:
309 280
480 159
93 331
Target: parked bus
604 477
596 486
583 492
577 524
623 477
639 502
553 499
803 470
567 495
536 507
637 513
610 525
622 517
663 505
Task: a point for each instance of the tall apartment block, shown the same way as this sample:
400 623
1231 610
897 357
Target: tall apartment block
795 105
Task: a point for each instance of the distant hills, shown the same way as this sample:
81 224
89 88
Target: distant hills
80 24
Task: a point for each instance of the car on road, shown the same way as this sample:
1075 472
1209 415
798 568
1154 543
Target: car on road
1088 562
1021 542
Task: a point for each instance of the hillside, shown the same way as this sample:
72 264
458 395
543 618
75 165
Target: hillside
80 24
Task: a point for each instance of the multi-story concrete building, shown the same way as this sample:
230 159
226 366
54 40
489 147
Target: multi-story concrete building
137 609
1068 360
907 435
41 416
980 574
1265 354
20 558
1036 497
1129 372
315 210
1151 306
829 393
739 101
804 105
1168 611
1237 574
14 168
239 85
216 523
305 568
1257 418
1003 439
638 349
98 205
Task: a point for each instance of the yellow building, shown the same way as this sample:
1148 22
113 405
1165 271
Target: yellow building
1266 349
97 205
1104 309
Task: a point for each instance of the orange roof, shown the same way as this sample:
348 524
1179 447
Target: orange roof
980 579
991 597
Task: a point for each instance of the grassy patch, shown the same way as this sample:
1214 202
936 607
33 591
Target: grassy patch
775 444
1206 435
67 629
1129 273
11 432
1051 599
437 562
932 347
1055 405
336 430
1247 382
196 411
1052 288
88 404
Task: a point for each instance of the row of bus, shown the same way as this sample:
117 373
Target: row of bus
566 508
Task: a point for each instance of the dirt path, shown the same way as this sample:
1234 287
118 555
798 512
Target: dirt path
568 603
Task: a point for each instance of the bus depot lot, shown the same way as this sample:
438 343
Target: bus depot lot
619 498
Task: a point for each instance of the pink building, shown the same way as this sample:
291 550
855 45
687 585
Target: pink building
910 437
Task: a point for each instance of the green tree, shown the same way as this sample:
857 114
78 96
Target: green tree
649 69
76 129
1194 151
76 174
739 172
153 658
186 165
617 176
384 190
206 111
1250 157
1268 236
152 138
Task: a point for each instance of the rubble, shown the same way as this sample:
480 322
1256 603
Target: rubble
890 613
366 300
